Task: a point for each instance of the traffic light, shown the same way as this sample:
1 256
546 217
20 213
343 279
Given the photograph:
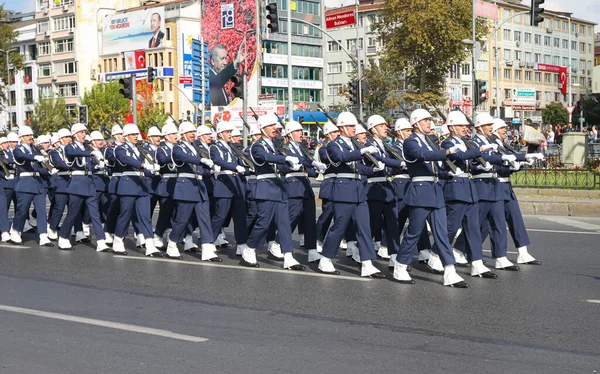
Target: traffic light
150 74
238 88
272 18
353 92
536 12
300 119
126 89
83 114
480 91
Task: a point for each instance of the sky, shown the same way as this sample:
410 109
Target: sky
588 10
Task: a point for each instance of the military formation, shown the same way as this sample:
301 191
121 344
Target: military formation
194 182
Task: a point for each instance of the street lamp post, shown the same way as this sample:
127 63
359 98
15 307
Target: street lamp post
7 85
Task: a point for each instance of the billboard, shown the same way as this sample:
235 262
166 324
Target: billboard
340 19
229 28
130 31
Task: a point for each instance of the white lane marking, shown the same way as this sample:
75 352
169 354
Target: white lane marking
101 323
566 232
593 301
571 222
13 246
512 253
211 264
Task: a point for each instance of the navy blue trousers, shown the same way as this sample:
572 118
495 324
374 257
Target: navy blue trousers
76 204
24 201
343 213
466 216
185 210
236 208
271 214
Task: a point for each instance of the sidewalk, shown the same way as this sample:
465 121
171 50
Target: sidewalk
559 202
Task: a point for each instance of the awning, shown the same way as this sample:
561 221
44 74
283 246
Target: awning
307 117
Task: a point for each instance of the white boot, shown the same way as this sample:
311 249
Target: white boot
249 255
479 269
44 241
383 252
401 274
108 238
80 236
525 258
344 244
451 278
504 263
240 249
275 250
64 243
392 262
221 240
140 241
368 269
424 255
326 266
52 235
86 229
435 263
459 257
188 243
319 246
158 243
151 249
118 246
313 255
209 253
172 250
101 246
289 262
15 236
302 240
5 236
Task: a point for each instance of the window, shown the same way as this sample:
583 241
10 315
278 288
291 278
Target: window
565 44
507 73
43 49
60 3
581 64
528 76
334 67
350 44
28 97
275 48
565 26
582 30
556 24
334 89
538 95
13 98
274 71
506 54
305 73
556 60
45 70
453 71
548 96
556 43
306 50
333 46
589 30
574 62
517 36
547 40
538 77
582 47
557 96
64 23
538 39
506 34
565 61
528 37
27 77
547 59
527 19
538 57
573 45
506 13
45 92
67 90
64 68
518 75
573 28
42 27
350 67
466 69
556 78
518 55
547 23
507 93
306 7
528 57
63 45
547 78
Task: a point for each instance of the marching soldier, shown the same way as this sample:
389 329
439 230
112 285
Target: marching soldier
331 132
166 187
9 185
5 176
58 159
100 175
154 140
250 184
114 169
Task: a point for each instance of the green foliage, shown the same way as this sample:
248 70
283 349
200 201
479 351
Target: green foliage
379 82
7 37
49 115
591 111
151 109
555 114
424 38
106 106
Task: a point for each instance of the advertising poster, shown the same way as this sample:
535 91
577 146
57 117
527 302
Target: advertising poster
234 113
130 31
229 29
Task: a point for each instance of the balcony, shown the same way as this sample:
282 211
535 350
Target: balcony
371 50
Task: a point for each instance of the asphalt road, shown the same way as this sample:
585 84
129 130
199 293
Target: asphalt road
88 312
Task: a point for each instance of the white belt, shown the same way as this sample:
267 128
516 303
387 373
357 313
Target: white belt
169 175
485 175
29 174
63 173
377 180
248 177
424 179
267 176
225 172
290 175
190 175
348 175
78 172
99 173
463 175
116 174
132 173
504 180
327 176
401 176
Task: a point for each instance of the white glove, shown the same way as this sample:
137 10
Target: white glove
487 147
12 176
487 166
534 156
97 154
296 167
456 148
457 172
369 150
530 162
40 158
379 167
156 168
53 171
100 165
509 158
240 169
292 160
149 167
208 162
321 167
402 164
216 169
515 167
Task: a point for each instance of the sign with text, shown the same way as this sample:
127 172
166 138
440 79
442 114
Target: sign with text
136 30
340 19
561 70
523 96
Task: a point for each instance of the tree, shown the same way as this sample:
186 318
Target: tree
150 106
424 38
379 82
590 105
105 105
555 114
49 114
7 37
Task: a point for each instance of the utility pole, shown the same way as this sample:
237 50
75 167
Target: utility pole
289 67
245 106
134 98
359 68
473 68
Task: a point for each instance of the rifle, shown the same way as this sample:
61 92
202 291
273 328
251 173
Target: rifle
393 151
40 151
468 141
4 164
354 140
240 154
433 145
307 152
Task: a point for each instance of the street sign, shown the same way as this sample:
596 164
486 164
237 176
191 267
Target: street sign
523 96
570 109
340 19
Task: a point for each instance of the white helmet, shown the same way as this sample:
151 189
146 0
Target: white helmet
483 119
346 119
360 130
418 115
402 124
254 130
42 139
78 127
267 120
154 131
62 133
186 126
130 129
292 126
456 118
236 132
445 130
54 139
203 130
375 120
169 128
116 129
329 127
498 124
224 126
3 140
12 137
25 130
96 135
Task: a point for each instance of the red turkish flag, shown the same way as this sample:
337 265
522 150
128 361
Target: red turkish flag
140 59
562 71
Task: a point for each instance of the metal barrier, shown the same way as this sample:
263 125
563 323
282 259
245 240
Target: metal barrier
556 178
